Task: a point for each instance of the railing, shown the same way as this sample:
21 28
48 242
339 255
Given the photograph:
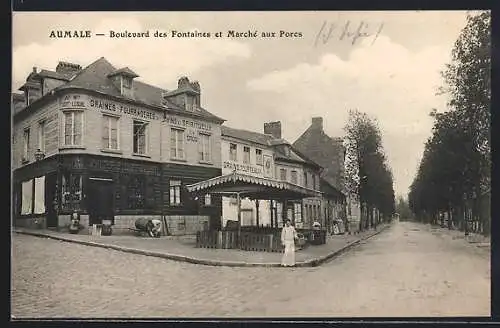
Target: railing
229 240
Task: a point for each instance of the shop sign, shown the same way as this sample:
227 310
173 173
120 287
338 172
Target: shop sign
187 123
243 168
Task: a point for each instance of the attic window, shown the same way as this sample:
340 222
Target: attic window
127 82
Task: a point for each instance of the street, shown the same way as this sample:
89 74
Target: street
407 270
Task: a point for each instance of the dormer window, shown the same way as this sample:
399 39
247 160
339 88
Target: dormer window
127 82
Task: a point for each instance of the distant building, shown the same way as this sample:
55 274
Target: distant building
100 142
330 154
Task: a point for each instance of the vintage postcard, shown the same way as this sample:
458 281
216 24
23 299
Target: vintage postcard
312 164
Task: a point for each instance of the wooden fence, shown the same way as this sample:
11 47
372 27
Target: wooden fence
251 241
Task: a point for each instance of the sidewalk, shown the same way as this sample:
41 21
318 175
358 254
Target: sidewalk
477 240
182 248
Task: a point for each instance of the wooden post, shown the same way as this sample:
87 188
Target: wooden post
239 218
257 211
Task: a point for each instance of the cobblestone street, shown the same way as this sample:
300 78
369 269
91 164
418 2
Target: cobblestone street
407 270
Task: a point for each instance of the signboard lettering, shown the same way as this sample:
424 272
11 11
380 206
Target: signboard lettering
122 109
188 123
72 101
245 168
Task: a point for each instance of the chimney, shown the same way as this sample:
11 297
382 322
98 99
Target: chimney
273 128
68 69
34 69
317 123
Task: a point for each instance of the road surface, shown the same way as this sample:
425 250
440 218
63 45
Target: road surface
407 270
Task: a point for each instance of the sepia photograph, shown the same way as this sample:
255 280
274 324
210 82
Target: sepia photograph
231 164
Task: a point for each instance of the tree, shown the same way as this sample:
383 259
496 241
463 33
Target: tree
456 165
369 180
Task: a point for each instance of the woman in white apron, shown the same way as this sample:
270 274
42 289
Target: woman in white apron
288 236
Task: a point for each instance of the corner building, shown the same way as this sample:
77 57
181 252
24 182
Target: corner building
98 141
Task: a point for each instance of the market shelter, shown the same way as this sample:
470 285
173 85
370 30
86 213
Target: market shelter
255 188
252 187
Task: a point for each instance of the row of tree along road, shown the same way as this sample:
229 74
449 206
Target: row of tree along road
452 185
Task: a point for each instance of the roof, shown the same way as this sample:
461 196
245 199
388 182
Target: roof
95 77
255 137
53 75
124 71
313 143
252 187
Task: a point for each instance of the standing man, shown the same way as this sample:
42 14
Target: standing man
288 236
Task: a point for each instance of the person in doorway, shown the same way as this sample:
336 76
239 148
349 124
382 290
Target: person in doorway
288 236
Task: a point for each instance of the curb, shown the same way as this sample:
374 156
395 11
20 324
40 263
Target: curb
181 258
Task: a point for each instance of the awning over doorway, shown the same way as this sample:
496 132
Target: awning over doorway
252 187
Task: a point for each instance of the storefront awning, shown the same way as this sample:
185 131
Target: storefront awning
252 187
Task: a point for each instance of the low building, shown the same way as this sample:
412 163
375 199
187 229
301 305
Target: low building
266 155
97 141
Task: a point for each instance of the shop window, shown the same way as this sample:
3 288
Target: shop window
73 128
246 155
39 201
71 191
233 152
177 144
110 132
293 177
26 144
258 157
175 192
204 145
136 191
27 197
140 137
298 212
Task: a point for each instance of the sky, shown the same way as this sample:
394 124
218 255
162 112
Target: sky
316 67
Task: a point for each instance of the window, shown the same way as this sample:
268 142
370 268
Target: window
293 176
39 201
207 200
313 182
71 191
258 157
41 136
27 197
177 144
73 127
136 191
175 192
305 179
204 144
233 152
246 155
140 137
189 102
283 174
110 132
298 212
127 82
26 144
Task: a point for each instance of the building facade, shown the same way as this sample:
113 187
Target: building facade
249 153
101 143
330 154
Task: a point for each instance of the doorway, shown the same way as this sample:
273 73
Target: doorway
51 204
100 200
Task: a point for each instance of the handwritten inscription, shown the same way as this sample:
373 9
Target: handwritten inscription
347 31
